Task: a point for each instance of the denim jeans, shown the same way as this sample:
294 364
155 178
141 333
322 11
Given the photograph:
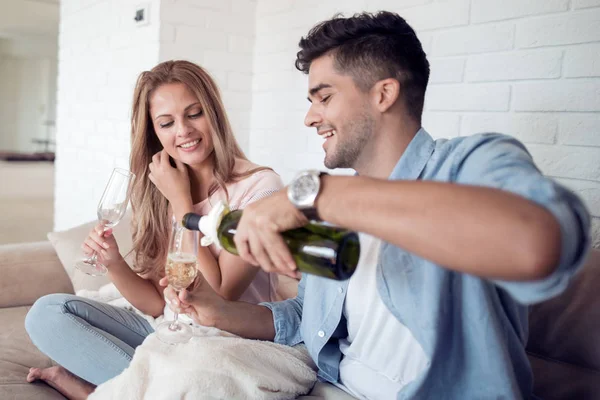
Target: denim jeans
93 340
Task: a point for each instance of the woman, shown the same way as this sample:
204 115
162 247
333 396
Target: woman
185 158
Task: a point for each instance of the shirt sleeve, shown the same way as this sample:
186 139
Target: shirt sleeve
287 317
502 162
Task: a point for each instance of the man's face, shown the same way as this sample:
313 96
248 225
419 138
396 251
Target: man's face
341 113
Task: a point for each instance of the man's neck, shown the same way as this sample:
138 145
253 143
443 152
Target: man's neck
379 158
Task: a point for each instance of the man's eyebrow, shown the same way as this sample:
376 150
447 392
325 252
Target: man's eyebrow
316 89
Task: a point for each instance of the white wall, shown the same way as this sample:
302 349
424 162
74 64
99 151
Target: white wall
219 35
527 68
101 53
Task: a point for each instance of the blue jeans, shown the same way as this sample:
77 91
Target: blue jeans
93 340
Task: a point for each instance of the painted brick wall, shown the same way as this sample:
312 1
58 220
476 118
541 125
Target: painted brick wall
219 35
527 68
530 69
101 51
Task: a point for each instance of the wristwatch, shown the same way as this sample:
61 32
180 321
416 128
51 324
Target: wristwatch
303 191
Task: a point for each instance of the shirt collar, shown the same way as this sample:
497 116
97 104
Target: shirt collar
415 157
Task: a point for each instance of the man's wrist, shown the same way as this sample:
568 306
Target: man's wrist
320 202
215 314
303 192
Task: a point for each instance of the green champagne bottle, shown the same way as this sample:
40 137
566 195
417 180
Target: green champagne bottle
317 248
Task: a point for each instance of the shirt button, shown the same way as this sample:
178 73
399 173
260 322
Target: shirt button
340 290
321 334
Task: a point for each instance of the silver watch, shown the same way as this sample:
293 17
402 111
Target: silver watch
304 189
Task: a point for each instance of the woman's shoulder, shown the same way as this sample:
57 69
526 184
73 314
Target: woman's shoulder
252 174
252 185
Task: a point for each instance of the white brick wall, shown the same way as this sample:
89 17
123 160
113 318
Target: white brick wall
219 35
101 52
527 68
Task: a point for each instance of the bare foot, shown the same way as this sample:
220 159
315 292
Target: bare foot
69 385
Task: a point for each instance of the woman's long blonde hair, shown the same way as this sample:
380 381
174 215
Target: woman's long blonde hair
151 225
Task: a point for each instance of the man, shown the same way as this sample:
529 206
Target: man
457 237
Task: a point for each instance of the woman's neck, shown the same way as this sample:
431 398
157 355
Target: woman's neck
201 179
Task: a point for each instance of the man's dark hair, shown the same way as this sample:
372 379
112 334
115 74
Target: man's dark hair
371 47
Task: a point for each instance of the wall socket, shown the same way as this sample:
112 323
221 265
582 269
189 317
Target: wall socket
141 14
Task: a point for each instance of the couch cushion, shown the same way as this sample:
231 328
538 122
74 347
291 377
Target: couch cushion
29 271
68 248
566 328
17 355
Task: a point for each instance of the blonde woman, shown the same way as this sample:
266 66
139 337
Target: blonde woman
185 157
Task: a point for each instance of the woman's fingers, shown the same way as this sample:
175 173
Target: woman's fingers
94 246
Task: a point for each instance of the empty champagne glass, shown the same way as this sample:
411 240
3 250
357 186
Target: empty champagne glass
111 209
180 270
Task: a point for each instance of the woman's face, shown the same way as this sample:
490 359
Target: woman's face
180 124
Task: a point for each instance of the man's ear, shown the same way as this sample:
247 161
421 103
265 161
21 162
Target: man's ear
385 93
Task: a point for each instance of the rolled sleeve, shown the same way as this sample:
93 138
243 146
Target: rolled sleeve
287 317
502 162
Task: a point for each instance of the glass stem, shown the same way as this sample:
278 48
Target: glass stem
175 324
93 259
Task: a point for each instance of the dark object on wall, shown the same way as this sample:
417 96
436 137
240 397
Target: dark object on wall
12 156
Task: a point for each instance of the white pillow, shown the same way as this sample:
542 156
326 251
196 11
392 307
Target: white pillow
67 245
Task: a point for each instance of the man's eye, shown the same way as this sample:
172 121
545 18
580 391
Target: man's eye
325 98
168 124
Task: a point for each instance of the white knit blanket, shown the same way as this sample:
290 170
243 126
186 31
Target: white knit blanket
213 365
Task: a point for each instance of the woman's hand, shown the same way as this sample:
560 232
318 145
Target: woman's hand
173 183
103 243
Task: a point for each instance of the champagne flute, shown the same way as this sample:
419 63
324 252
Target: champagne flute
181 270
111 209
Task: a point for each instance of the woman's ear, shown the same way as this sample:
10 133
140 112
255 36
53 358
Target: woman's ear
385 93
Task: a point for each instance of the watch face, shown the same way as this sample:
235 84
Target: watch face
305 189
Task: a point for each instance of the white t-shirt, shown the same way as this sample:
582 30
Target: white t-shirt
380 355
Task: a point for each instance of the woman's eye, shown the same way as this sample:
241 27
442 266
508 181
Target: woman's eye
168 124
198 114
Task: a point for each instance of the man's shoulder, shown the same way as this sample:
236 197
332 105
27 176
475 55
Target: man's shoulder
459 146
450 154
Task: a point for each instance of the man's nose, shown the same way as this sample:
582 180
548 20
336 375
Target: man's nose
313 118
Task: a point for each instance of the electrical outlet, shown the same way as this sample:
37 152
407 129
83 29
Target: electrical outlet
141 14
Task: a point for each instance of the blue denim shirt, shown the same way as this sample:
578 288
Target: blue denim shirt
473 330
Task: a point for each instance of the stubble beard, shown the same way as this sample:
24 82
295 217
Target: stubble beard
348 150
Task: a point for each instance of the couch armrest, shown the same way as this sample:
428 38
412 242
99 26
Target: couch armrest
29 271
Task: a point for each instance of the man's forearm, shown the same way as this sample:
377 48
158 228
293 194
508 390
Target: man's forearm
247 320
482 231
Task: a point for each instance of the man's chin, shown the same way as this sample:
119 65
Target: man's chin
330 165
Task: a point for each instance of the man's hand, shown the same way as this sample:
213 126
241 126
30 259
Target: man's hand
257 239
173 183
199 301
